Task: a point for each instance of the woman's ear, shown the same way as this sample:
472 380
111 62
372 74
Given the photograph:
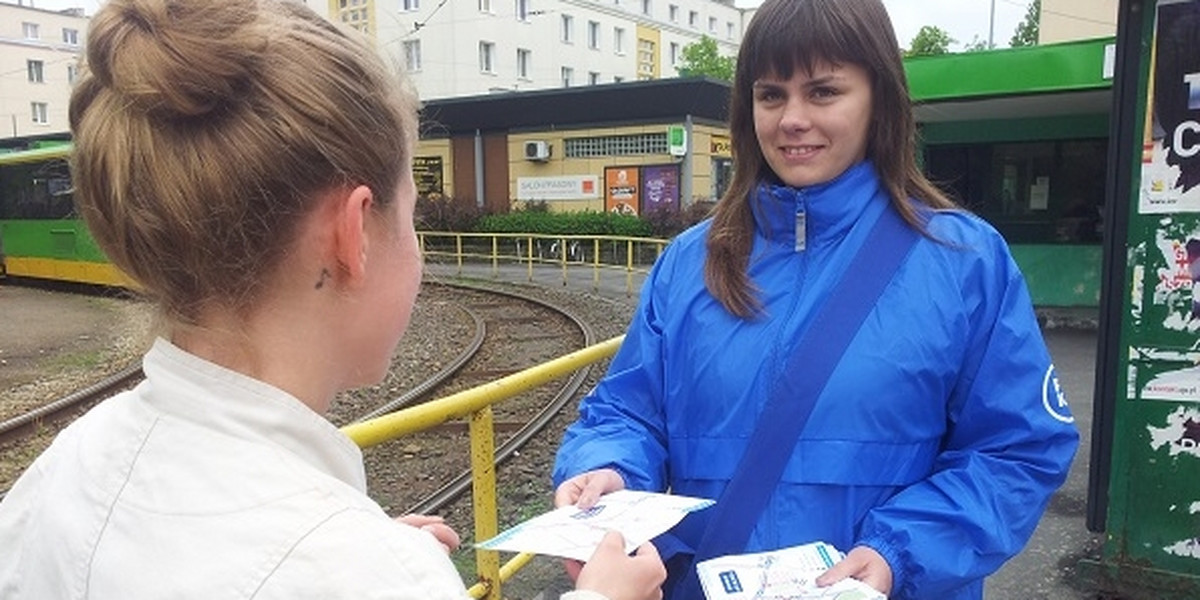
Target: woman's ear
350 233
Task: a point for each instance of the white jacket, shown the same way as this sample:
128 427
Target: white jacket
204 483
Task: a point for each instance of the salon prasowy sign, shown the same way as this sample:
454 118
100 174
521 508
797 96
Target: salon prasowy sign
568 187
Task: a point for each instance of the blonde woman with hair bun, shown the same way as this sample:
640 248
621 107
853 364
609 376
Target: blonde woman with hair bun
248 164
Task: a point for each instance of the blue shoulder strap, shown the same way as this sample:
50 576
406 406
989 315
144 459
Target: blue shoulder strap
795 393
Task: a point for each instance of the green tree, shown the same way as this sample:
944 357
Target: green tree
930 40
1027 30
703 59
977 44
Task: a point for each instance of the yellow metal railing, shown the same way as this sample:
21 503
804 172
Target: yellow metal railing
628 254
475 404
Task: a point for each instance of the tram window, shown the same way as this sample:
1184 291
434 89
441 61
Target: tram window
36 191
1032 192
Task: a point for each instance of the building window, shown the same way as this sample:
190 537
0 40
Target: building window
35 68
30 30
487 57
693 18
568 29
522 10
486 6
593 78
646 59
729 29
618 79
673 13
647 8
618 40
72 73
567 75
410 5
412 55
524 58
712 24
39 113
593 35
616 145
71 36
674 53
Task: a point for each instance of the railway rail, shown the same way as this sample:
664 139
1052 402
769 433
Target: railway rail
511 331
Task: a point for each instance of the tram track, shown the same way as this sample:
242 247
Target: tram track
513 326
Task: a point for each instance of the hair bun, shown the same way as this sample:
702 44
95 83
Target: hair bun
174 59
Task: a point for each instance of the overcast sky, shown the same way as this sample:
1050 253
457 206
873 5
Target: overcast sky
964 20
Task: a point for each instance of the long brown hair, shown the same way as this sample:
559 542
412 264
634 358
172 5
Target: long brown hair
205 129
785 35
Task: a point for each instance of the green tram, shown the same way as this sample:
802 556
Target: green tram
40 236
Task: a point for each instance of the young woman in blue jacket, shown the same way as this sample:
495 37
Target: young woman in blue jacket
939 437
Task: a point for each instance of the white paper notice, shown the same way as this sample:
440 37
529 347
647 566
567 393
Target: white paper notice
572 533
787 574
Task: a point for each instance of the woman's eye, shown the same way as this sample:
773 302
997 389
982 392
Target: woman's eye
768 95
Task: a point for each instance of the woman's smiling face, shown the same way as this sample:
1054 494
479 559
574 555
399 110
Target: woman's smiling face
813 126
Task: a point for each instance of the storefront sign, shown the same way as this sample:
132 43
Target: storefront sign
427 174
568 187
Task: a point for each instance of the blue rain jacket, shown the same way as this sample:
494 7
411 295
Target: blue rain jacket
941 433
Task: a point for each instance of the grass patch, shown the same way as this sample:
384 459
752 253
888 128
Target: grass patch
87 359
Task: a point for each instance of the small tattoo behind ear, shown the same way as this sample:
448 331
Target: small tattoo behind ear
324 275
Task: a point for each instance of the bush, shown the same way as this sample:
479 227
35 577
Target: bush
667 224
436 212
440 213
569 223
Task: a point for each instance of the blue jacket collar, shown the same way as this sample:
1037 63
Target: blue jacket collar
831 208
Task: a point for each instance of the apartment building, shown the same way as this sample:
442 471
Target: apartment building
1068 20
455 48
39 61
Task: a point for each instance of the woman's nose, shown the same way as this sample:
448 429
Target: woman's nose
795 116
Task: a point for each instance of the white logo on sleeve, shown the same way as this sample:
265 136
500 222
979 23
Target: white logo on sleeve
1053 398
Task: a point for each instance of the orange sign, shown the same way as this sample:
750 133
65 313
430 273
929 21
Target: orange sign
621 190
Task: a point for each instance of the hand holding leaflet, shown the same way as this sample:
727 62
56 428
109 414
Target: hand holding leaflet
786 574
569 532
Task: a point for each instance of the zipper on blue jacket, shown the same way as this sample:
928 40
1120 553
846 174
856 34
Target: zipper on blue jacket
801 222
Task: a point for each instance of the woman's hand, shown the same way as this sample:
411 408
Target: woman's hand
437 526
619 576
584 490
864 564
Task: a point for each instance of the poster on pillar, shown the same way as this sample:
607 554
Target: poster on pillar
1170 180
621 191
660 189
1164 358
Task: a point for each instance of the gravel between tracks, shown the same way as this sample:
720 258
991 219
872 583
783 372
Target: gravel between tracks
55 344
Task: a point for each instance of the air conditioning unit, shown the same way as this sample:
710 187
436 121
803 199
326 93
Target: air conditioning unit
537 151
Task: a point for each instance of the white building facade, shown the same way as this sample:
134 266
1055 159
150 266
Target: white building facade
456 48
40 51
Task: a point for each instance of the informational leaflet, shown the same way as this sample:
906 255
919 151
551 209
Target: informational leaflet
569 532
787 574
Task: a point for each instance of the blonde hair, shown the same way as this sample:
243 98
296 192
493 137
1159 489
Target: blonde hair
205 129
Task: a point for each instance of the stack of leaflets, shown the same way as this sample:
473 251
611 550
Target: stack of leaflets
787 574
